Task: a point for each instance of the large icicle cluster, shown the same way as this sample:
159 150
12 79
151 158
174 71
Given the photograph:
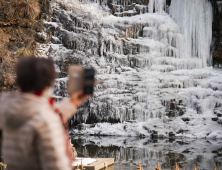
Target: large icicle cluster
146 80
157 5
195 20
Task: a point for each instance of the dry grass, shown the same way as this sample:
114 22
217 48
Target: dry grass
20 20
17 36
30 8
24 52
14 11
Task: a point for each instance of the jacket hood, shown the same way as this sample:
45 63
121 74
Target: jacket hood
18 108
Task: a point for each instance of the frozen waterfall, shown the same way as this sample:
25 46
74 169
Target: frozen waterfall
152 72
157 5
195 20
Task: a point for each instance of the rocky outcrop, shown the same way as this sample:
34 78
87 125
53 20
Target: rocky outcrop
20 33
217 34
217 54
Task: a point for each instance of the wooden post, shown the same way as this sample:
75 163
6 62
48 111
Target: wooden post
82 168
2 165
77 167
140 167
215 168
158 167
177 168
195 167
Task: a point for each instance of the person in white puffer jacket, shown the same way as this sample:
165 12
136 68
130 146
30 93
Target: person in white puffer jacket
34 137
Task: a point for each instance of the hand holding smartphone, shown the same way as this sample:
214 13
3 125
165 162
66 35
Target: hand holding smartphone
80 84
81 79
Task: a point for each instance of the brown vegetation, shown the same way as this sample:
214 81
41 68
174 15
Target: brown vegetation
20 22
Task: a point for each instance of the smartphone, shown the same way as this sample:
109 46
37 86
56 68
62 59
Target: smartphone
89 75
80 79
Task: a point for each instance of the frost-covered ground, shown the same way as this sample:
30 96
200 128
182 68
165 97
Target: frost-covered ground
153 69
129 151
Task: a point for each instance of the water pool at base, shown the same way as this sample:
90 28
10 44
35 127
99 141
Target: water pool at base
128 151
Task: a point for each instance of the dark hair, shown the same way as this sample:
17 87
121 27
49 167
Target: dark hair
35 74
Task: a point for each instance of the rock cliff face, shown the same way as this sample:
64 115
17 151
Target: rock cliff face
20 33
217 28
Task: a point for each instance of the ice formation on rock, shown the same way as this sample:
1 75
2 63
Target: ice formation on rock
194 19
151 68
157 5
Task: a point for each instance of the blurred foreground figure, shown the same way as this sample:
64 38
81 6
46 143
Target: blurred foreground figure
34 135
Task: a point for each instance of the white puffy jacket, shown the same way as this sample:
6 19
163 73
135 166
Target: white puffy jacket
33 135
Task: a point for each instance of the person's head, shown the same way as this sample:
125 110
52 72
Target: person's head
34 75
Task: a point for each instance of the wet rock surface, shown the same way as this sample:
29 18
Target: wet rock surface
186 119
218 112
217 28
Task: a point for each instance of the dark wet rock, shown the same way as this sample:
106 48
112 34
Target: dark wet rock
132 121
125 127
81 127
168 2
146 128
219 120
214 118
40 38
217 35
92 125
182 142
218 110
161 137
186 151
171 114
186 119
181 131
141 135
174 108
215 151
219 114
171 140
171 135
154 135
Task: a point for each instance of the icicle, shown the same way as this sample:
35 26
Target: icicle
151 6
159 6
195 21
